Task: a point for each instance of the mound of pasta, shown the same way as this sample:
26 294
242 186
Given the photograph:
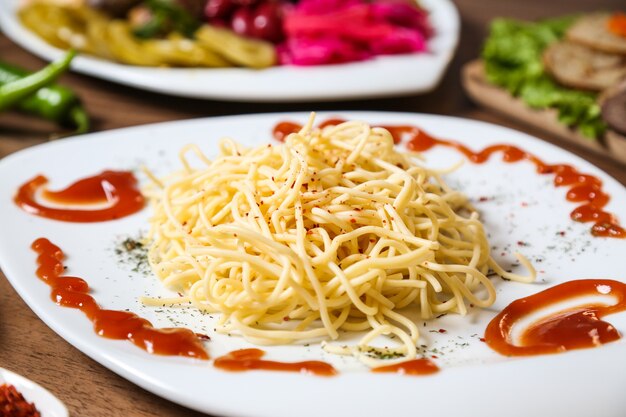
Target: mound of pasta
334 229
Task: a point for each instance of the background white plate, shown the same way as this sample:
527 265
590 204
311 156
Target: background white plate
46 403
521 207
385 76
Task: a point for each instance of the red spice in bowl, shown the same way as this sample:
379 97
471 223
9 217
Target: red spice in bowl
13 403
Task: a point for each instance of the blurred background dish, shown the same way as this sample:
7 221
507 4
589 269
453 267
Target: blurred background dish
382 76
564 75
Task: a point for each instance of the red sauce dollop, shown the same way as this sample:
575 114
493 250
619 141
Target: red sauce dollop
118 189
250 359
574 328
412 367
73 292
13 403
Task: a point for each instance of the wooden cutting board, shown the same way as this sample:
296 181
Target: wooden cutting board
612 145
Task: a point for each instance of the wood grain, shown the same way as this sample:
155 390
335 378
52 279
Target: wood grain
28 347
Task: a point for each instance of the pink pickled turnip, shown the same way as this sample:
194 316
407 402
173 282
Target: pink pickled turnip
403 14
332 31
400 42
307 52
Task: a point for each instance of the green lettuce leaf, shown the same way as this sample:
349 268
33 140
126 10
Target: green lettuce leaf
513 60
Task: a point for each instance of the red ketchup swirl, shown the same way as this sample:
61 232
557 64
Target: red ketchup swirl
250 359
117 189
412 367
583 188
574 328
73 292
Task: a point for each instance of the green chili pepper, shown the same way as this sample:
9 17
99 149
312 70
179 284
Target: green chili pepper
52 102
15 91
167 15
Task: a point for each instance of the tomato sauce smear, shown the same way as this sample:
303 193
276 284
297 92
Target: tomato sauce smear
573 328
251 359
117 190
73 292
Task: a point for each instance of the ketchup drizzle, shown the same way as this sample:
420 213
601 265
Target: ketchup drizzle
413 367
73 292
575 328
583 188
250 359
116 188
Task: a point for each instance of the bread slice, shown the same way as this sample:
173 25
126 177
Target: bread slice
592 30
612 146
613 103
581 67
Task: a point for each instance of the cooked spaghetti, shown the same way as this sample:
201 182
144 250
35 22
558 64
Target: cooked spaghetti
333 230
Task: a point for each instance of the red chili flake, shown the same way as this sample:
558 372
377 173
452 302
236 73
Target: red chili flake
562 233
286 318
203 336
482 339
434 356
503 254
542 271
442 331
353 220
483 199
13 403
524 204
521 243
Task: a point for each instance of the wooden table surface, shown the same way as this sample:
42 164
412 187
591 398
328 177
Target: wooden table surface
30 348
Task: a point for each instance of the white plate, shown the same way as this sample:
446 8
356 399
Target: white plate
474 380
46 403
384 76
